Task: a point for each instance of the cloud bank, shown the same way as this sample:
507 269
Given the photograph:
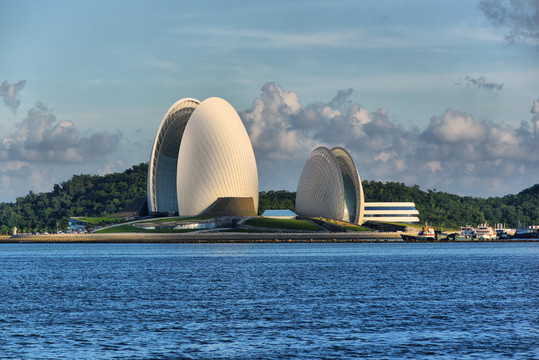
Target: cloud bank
44 150
41 138
455 151
520 18
10 94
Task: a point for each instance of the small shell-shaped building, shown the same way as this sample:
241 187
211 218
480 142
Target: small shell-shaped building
330 187
202 159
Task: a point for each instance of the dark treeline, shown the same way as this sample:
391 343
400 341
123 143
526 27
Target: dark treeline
448 210
82 195
276 200
97 196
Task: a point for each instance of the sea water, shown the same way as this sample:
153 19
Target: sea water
229 301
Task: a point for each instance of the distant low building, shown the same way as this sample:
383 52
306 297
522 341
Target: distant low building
76 224
279 214
400 212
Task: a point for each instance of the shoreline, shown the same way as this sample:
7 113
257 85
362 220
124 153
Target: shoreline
149 238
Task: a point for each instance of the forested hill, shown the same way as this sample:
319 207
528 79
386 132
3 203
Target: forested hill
93 195
82 195
443 209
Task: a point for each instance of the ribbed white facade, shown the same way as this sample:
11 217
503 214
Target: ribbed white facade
201 152
330 187
216 158
320 190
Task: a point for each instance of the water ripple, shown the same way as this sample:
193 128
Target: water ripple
313 301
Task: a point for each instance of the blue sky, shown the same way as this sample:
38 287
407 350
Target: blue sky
443 94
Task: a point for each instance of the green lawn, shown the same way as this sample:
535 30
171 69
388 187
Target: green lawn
345 225
96 221
239 230
177 219
282 224
352 227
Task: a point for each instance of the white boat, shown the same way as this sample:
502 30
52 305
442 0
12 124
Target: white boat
427 233
485 232
467 232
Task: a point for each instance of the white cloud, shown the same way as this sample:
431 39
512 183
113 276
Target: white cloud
10 94
518 18
153 62
434 166
535 107
385 156
112 167
456 127
40 139
455 152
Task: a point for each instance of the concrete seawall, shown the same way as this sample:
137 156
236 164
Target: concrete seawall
204 237
297 237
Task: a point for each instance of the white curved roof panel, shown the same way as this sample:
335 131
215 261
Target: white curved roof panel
320 189
216 159
330 187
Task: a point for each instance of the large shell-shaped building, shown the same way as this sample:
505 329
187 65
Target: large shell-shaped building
330 187
202 159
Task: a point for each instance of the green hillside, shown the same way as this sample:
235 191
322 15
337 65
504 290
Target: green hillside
82 195
98 196
448 210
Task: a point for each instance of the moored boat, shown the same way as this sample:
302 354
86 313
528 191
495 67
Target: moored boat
531 232
427 234
408 238
467 232
485 232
